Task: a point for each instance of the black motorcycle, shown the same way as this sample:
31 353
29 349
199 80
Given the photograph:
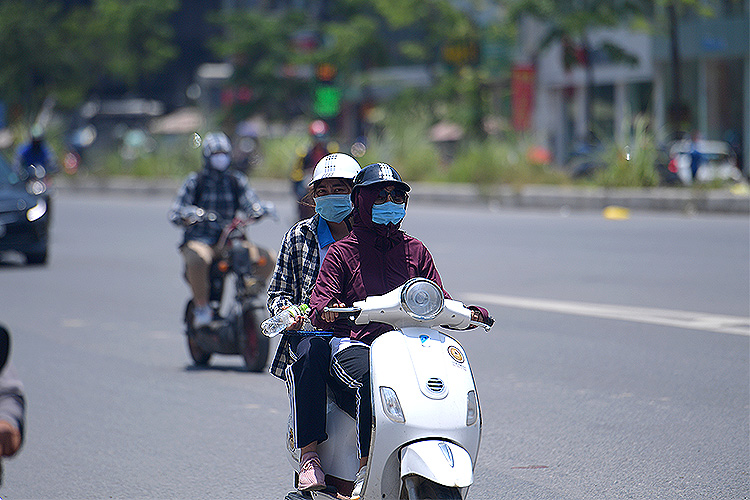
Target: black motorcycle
237 331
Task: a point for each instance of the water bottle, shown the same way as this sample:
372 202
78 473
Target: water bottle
277 324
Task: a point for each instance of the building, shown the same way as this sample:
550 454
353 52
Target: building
714 84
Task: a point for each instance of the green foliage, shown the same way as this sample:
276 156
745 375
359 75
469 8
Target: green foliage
135 35
258 44
30 47
47 50
496 161
633 164
170 159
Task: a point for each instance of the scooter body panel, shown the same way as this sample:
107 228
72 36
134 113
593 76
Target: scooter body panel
430 374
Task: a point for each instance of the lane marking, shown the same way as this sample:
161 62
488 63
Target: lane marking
735 325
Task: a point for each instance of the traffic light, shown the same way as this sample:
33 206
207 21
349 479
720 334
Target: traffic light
327 96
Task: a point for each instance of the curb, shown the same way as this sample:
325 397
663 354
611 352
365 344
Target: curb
686 200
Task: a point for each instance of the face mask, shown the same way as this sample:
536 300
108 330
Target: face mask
388 212
333 207
220 161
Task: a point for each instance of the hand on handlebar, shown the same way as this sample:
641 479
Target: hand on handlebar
330 316
478 319
192 215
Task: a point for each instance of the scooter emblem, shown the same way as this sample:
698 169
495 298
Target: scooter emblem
456 354
424 338
447 452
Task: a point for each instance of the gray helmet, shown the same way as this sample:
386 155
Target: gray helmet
216 142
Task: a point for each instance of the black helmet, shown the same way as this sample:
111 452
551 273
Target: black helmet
377 173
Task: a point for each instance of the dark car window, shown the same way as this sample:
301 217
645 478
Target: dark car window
7 174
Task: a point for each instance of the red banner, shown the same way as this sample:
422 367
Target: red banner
522 95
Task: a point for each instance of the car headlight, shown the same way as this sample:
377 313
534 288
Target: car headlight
391 405
422 299
37 211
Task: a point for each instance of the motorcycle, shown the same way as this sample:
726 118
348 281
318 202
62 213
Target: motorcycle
426 415
237 331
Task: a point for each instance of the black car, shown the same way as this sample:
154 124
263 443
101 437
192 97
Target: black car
24 212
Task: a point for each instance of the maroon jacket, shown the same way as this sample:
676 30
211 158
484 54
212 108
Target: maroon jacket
372 260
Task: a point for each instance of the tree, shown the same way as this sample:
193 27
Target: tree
570 23
350 36
265 63
31 61
47 50
133 36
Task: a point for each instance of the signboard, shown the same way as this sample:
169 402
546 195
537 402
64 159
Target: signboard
465 53
522 95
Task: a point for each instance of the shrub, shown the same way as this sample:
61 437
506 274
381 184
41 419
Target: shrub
631 165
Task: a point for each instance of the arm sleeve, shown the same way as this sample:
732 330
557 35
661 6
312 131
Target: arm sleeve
328 286
249 201
184 199
12 400
281 289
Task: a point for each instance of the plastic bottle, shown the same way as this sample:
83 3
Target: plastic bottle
277 324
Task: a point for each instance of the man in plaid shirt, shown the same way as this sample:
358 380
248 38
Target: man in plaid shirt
217 189
303 361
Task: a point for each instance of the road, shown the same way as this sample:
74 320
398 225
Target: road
618 366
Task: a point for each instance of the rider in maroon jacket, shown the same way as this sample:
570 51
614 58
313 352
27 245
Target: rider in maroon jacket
373 259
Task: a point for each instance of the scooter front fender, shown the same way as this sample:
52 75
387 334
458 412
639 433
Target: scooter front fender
439 461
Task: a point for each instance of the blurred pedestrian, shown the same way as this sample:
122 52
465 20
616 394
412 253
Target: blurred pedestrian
696 157
36 153
12 402
302 172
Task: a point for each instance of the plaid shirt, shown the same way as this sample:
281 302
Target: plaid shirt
293 280
217 195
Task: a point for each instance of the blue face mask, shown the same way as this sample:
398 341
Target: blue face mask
333 207
388 212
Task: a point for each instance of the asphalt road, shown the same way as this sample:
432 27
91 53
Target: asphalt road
618 367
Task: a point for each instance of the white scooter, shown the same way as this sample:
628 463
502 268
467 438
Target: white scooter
427 423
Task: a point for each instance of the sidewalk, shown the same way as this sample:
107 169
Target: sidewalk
730 201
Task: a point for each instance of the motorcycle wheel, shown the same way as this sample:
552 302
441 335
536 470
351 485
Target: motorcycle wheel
433 491
253 345
199 356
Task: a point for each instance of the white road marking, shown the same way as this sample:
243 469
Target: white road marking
735 325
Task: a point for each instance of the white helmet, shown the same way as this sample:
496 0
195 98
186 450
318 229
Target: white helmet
336 165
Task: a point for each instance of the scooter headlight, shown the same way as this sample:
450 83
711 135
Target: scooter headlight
391 405
422 299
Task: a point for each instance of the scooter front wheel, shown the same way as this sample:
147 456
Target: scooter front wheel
199 356
252 344
424 489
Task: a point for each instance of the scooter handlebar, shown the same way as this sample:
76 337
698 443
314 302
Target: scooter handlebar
487 326
343 310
